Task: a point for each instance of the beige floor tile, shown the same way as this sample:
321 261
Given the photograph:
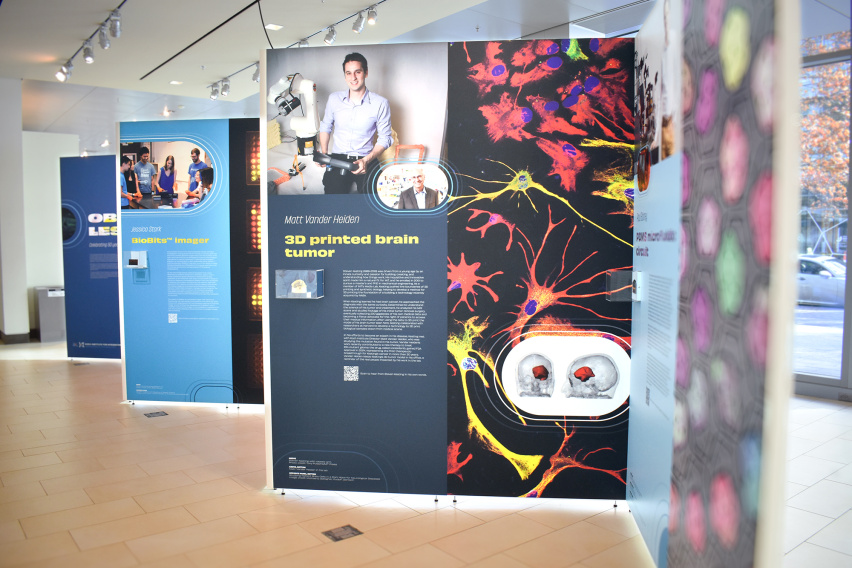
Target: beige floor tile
235 504
365 497
255 548
35 549
92 479
364 518
808 555
557 513
42 505
295 510
827 498
80 517
631 553
354 551
10 454
188 494
492 508
498 561
141 486
130 528
806 470
426 556
179 561
842 417
185 462
842 475
21 492
837 450
797 446
142 456
225 469
820 431
186 539
837 536
47 472
252 480
422 529
809 415
11 531
425 503
112 556
617 520
491 538
792 489
566 546
800 525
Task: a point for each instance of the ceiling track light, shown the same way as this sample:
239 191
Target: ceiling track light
256 76
304 42
115 24
331 36
103 37
64 72
358 26
225 89
372 15
88 52
214 91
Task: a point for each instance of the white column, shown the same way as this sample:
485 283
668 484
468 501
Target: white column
14 318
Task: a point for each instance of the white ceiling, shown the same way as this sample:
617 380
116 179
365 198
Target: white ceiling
36 36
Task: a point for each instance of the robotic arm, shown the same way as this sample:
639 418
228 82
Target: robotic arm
288 94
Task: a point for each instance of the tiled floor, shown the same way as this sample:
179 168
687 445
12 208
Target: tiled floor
90 482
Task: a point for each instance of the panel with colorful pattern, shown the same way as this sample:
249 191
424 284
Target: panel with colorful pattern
726 243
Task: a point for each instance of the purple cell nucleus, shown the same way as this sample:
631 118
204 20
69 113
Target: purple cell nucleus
565 44
530 308
455 286
570 101
552 48
498 70
569 149
551 106
554 62
494 218
595 45
591 84
526 114
576 90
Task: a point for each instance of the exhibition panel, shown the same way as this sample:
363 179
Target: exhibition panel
90 256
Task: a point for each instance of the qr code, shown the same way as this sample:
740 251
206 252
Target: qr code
350 373
172 318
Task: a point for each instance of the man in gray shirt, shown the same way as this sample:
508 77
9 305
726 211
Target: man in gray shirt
146 173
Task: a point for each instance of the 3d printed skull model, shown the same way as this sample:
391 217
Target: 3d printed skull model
591 376
535 376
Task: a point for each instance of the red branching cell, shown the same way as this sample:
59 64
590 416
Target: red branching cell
505 119
493 220
491 72
553 290
463 276
551 123
563 459
568 161
453 464
525 55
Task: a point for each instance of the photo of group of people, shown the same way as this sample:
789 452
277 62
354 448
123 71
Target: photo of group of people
350 113
150 184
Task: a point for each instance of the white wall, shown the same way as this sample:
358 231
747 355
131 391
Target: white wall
13 270
43 210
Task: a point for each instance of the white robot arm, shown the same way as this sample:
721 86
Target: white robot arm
289 93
